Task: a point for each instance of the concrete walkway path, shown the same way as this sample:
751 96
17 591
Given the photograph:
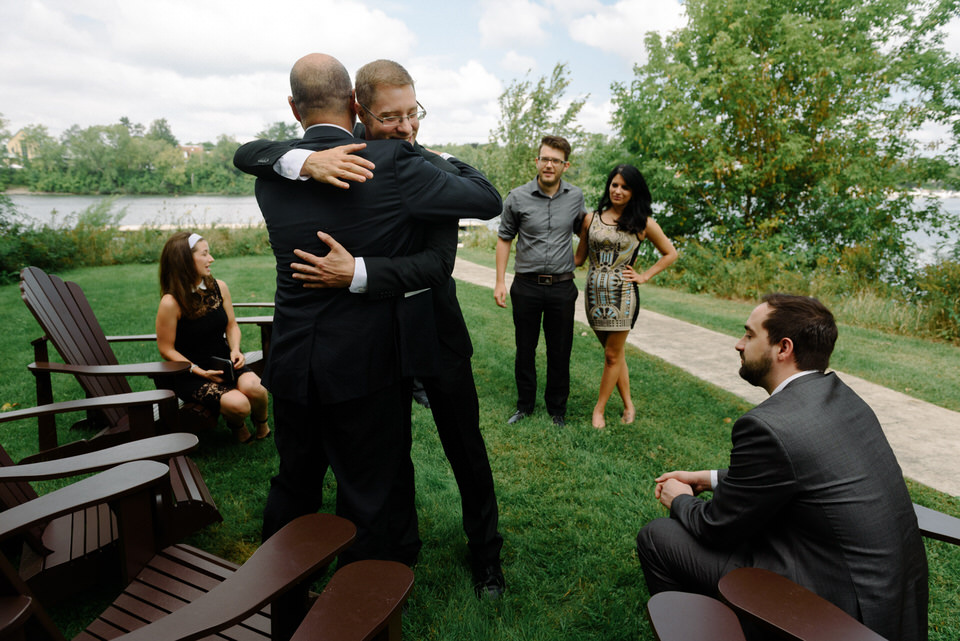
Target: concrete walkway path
925 437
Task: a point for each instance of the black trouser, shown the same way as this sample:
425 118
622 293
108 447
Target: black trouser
553 305
456 413
366 443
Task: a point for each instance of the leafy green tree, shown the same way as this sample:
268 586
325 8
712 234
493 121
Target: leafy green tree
281 130
793 118
134 128
42 158
160 130
528 112
5 156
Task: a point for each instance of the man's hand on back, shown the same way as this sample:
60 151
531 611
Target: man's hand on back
339 164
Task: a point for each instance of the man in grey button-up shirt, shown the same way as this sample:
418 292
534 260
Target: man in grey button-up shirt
540 215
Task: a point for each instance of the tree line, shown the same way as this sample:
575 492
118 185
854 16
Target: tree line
764 127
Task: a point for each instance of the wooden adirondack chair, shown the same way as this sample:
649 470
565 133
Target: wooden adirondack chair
78 550
789 611
682 616
68 321
786 610
182 593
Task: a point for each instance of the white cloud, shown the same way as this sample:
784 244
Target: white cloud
512 23
207 67
594 117
517 63
461 103
622 27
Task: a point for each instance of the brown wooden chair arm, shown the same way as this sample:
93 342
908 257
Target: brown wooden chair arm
132 338
155 448
683 616
788 610
14 611
115 483
132 399
362 600
159 368
294 554
937 525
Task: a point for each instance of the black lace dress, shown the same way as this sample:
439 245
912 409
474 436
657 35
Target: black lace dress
199 339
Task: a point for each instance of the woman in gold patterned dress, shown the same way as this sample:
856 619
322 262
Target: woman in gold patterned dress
611 238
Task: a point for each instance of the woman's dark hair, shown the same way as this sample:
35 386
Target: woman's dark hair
178 274
805 321
634 217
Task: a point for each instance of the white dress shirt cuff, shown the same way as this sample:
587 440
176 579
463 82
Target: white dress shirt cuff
359 283
290 164
714 479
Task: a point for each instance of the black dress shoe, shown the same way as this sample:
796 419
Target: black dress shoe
518 415
488 582
558 420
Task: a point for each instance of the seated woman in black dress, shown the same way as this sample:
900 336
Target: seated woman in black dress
195 323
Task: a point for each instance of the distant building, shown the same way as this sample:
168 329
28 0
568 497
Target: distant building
190 150
17 148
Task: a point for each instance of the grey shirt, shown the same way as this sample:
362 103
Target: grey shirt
543 227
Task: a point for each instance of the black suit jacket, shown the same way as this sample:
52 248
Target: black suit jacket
328 341
431 266
816 494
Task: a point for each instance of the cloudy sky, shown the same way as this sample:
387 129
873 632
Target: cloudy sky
214 67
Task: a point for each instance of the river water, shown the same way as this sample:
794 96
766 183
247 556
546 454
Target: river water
173 211
199 211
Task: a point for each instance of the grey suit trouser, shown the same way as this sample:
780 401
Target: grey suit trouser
673 560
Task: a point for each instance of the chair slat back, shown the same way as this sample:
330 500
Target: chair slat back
65 315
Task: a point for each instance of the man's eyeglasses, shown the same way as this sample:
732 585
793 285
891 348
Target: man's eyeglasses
395 121
551 161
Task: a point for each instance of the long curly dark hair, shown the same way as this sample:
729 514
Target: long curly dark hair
633 220
178 274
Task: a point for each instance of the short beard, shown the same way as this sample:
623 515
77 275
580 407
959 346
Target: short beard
755 372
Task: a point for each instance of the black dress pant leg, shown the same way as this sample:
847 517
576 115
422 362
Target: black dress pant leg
558 311
526 299
456 413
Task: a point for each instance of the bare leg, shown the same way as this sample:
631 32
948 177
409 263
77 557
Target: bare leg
249 384
613 363
235 407
623 386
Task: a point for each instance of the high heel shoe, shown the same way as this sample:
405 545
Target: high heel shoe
263 430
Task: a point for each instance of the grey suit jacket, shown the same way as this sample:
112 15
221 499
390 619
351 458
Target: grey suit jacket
815 493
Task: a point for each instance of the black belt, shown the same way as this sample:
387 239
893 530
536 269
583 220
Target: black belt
545 279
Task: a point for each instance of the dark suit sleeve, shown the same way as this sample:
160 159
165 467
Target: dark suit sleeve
433 195
751 492
430 267
258 157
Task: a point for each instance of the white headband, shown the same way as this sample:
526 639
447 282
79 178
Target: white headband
194 239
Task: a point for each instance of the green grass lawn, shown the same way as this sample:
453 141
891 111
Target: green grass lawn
571 500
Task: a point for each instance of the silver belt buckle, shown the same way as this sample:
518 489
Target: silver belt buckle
544 279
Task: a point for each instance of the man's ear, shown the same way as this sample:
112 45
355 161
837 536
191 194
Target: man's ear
785 349
293 108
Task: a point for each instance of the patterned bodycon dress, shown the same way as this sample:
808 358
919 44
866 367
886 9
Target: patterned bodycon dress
611 302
